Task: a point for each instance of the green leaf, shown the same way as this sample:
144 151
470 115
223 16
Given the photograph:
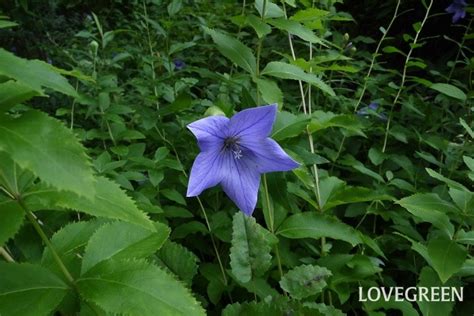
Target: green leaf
305 280
322 120
464 237
315 225
449 182
12 93
182 102
429 278
447 257
271 9
11 219
7 24
288 125
173 195
35 74
234 50
287 71
252 308
251 246
29 290
466 127
404 306
270 91
69 243
47 148
179 260
449 90
350 195
261 28
129 242
136 287
109 201
296 28
430 208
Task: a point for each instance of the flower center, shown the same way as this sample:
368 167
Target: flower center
232 144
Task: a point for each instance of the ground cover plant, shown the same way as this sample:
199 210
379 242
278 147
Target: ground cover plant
235 157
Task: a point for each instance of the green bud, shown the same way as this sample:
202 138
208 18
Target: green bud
346 37
214 110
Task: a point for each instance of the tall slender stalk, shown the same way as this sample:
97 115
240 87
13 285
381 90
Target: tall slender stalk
405 67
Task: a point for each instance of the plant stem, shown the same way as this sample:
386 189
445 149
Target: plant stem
4 253
459 50
45 239
405 67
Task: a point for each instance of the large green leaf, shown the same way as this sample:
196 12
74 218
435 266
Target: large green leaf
305 280
12 93
287 71
430 208
34 73
69 243
429 278
315 225
136 287
251 246
44 146
179 260
109 201
27 289
296 28
234 50
447 257
11 219
449 90
129 241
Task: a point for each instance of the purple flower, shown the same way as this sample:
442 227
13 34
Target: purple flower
179 64
458 9
234 152
372 109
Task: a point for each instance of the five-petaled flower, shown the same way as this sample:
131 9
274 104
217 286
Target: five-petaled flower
179 64
458 9
234 152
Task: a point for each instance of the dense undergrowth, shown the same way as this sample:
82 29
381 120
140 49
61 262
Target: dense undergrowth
94 168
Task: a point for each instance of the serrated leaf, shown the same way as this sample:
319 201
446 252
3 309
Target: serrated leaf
44 146
109 201
270 91
261 28
449 90
34 73
29 290
287 71
315 225
136 287
305 280
179 260
11 219
251 246
252 308
447 257
430 208
129 242
234 50
69 243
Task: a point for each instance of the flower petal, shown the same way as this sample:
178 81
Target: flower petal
205 173
241 182
269 156
254 122
210 131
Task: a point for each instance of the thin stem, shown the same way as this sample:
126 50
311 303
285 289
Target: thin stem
4 253
152 63
460 49
405 67
45 239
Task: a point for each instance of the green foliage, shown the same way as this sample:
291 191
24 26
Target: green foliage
305 280
179 261
11 219
21 283
136 287
250 255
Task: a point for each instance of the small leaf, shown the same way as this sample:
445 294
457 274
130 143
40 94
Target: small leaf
173 195
447 257
179 260
270 91
288 125
271 10
430 208
315 225
29 290
305 280
287 71
129 242
12 93
261 28
135 287
182 102
250 251
234 50
296 28
47 148
449 90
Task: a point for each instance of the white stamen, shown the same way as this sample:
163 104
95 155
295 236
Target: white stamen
237 153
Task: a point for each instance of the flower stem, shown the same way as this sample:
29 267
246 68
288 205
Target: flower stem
45 239
461 45
405 67
6 255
